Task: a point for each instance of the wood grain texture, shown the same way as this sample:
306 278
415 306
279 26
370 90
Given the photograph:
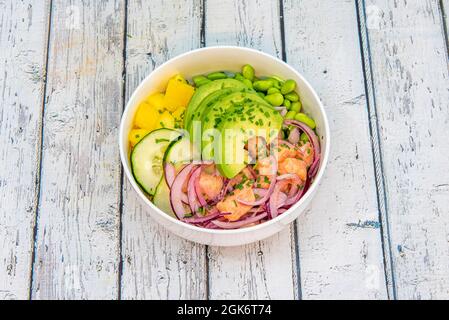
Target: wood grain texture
265 270
340 249
410 75
156 263
23 43
77 245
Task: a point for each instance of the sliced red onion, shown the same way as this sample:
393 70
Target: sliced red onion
294 136
288 176
282 110
169 173
176 191
191 194
288 144
276 200
198 192
204 219
292 200
238 224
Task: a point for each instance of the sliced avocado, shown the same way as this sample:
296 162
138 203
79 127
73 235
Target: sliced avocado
202 92
241 122
212 117
209 101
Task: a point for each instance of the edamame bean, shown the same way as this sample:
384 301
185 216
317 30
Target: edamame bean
216 75
200 80
292 96
273 90
262 85
296 106
248 83
275 99
288 86
290 115
304 138
248 72
287 103
302 117
239 77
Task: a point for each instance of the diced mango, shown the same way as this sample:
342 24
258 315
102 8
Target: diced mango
136 135
178 113
157 100
178 94
146 116
166 120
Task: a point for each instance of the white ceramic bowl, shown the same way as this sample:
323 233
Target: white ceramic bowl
226 58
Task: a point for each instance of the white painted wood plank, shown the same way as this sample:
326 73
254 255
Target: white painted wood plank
264 270
411 80
23 43
339 237
156 263
77 247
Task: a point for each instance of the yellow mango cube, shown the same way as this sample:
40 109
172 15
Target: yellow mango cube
179 113
166 120
178 94
157 100
146 116
136 135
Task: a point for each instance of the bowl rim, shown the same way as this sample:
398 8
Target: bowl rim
309 193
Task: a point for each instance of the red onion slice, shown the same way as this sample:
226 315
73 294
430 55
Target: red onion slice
176 191
191 194
203 219
293 137
238 224
169 173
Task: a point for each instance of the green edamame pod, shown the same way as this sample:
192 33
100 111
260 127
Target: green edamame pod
248 72
304 138
200 80
248 83
216 75
296 106
292 96
288 86
290 115
262 85
273 90
287 103
302 117
275 99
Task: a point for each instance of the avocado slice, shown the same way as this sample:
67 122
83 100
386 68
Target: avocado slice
202 92
209 101
241 122
212 117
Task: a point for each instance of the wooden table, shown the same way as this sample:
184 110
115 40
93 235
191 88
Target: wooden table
71 226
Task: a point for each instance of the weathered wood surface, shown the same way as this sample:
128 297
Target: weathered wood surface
23 43
77 243
156 263
340 249
377 228
410 77
264 270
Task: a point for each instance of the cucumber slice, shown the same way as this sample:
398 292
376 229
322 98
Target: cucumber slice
181 152
147 156
162 198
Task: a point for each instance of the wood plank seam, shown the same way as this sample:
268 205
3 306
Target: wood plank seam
376 150
41 145
295 239
443 17
121 257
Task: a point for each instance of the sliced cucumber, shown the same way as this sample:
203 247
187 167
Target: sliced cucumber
181 152
147 156
162 198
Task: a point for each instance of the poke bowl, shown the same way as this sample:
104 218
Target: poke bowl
224 145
